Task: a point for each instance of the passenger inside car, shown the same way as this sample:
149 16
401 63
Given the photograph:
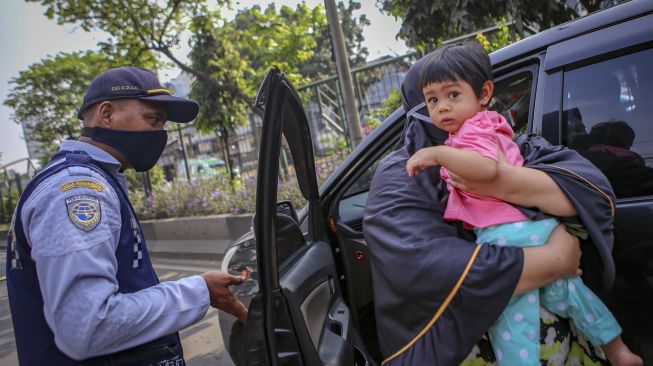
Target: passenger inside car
607 111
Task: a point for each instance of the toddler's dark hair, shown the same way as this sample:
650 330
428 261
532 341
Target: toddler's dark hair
458 61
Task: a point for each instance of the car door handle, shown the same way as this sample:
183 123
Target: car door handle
336 345
339 319
348 232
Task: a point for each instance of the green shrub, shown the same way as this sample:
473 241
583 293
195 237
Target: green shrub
214 196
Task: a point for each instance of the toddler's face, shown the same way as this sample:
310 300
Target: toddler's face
451 103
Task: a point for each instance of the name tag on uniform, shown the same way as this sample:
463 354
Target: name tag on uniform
82 184
84 211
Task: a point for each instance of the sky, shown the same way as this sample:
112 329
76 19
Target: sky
27 36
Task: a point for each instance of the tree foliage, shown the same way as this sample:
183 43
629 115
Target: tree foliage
49 93
243 50
228 59
426 23
497 40
388 106
135 27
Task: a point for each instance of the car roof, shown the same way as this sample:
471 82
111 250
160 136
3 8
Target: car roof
562 32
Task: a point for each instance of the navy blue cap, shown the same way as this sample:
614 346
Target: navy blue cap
138 83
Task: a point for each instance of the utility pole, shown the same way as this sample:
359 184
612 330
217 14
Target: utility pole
183 151
344 73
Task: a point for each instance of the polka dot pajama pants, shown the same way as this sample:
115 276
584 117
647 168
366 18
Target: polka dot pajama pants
515 336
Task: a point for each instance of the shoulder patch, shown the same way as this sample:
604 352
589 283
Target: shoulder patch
84 211
82 184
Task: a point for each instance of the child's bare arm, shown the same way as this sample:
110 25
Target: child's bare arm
464 163
522 186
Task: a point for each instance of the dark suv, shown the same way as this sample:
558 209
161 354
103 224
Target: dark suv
587 84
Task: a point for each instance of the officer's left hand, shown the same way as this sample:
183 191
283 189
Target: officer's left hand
221 297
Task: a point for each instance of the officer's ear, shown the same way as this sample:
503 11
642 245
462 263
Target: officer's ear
104 111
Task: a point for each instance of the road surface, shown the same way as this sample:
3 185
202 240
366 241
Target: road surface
202 341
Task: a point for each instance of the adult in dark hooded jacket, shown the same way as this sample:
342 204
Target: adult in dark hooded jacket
436 293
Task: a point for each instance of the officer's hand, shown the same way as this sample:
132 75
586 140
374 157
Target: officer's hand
221 297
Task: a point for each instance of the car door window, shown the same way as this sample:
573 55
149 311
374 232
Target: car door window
512 98
352 204
608 117
363 182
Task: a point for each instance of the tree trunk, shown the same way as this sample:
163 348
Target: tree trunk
224 133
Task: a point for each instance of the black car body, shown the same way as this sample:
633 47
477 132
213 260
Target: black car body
586 84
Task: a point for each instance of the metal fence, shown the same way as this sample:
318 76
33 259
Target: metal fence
191 155
12 184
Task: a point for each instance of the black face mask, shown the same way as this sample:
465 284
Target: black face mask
141 148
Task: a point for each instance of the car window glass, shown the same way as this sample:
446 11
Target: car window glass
363 182
608 117
288 187
352 204
289 236
512 98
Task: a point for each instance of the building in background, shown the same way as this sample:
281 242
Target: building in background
35 151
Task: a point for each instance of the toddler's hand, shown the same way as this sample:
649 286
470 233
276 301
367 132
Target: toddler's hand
421 160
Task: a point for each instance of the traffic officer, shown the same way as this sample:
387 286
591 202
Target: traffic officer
81 285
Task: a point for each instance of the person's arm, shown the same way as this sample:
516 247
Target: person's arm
521 186
464 163
558 259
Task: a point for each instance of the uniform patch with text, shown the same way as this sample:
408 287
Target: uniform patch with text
82 184
84 211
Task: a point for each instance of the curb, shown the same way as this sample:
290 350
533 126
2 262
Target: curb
201 237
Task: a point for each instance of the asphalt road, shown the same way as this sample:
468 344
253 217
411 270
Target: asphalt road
202 341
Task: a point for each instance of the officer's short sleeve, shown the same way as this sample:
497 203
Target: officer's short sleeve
75 209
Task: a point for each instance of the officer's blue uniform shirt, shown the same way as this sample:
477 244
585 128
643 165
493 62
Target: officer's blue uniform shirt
72 222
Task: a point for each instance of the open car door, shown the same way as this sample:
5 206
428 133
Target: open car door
298 316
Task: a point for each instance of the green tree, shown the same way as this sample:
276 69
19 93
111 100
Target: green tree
243 50
152 25
50 93
136 27
388 106
228 58
501 38
426 23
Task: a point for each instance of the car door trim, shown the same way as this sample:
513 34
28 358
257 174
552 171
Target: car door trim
315 308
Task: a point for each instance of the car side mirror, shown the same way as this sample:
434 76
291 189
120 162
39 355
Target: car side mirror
286 208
